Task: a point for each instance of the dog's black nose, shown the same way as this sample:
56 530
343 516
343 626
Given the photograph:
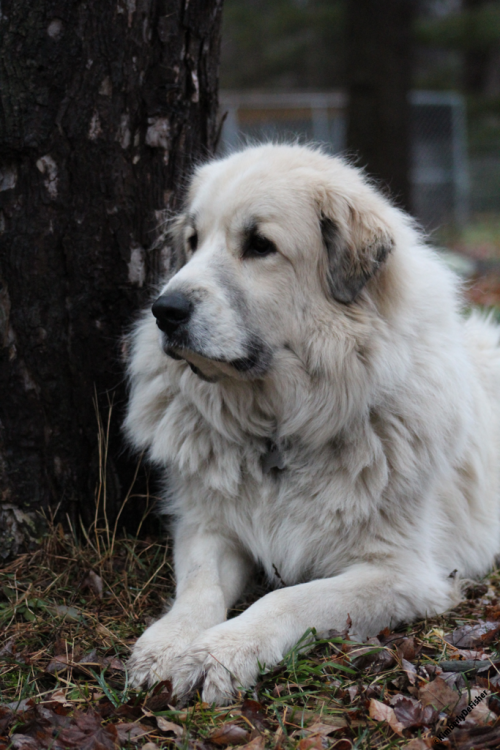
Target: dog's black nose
170 310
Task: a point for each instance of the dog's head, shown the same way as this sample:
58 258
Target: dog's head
269 237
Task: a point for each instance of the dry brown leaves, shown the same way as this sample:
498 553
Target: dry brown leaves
460 693
55 724
397 690
230 734
44 728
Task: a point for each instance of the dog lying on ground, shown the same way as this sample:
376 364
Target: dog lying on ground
321 410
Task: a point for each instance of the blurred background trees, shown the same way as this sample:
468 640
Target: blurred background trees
378 80
285 44
320 45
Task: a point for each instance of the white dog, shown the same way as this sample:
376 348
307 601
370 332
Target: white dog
321 409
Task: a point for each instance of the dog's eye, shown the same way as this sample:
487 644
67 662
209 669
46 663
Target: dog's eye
193 241
257 246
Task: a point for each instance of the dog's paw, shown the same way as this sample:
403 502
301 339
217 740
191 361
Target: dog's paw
224 659
156 652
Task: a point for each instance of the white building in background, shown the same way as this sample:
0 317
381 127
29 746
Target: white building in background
439 176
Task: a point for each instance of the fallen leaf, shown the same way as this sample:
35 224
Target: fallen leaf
385 635
33 725
494 704
318 727
163 688
59 696
374 659
128 711
8 648
438 694
87 733
332 722
20 706
92 659
380 712
406 649
131 732
415 744
490 683
6 718
411 713
372 691
114 663
362 656
229 734
410 671
469 653
312 743
479 714
454 680
353 690
482 713
60 647
255 713
58 664
58 718
477 738
150 746
159 702
492 612
470 636
490 667
258 743
24 742
169 726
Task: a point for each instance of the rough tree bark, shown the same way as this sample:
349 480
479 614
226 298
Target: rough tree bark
379 69
104 107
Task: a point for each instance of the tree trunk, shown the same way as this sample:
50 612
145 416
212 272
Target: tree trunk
476 59
104 108
379 68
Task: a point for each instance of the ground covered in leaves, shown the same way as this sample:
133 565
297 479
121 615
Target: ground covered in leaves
69 613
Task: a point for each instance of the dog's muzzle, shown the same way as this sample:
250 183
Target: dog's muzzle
171 311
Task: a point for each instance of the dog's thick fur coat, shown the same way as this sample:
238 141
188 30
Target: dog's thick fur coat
348 436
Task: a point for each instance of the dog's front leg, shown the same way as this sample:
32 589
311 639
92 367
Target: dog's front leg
227 656
210 574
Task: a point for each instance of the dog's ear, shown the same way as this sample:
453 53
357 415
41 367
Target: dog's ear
356 247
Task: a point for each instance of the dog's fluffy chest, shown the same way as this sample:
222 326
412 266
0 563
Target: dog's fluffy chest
287 527
292 508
